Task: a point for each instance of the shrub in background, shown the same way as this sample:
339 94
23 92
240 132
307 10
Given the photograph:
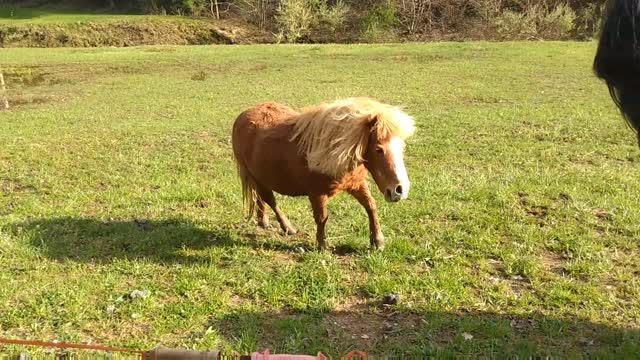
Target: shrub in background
537 21
296 19
380 22
589 19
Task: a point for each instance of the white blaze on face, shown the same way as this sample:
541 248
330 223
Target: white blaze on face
396 145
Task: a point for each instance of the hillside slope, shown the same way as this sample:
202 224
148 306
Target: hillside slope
40 29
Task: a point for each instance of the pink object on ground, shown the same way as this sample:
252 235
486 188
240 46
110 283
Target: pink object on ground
268 356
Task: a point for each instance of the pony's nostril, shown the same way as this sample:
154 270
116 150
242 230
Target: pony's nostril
399 189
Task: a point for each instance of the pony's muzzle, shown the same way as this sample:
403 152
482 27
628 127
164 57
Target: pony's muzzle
396 193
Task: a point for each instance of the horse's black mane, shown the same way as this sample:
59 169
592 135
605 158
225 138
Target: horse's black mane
617 60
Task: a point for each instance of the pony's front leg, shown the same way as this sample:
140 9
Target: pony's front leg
363 195
319 206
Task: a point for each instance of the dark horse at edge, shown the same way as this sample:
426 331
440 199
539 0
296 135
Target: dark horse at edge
617 60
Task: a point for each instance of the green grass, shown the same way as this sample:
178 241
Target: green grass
521 229
39 16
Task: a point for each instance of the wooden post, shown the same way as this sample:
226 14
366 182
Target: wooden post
3 88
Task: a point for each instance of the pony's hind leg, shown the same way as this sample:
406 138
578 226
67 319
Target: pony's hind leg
266 196
261 213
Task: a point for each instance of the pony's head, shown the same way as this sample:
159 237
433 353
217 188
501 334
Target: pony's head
339 137
617 60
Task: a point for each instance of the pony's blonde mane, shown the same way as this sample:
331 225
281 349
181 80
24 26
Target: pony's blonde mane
334 136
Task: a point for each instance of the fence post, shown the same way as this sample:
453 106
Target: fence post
3 88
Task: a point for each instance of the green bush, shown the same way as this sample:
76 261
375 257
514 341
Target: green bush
557 23
298 18
537 22
515 25
379 23
590 18
382 16
487 10
295 19
333 17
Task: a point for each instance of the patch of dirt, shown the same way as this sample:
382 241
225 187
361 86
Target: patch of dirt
351 325
602 215
28 86
8 208
564 198
29 100
418 58
14 186
200 76
361 327
451 216
539 212
485 100
553 262
24 76
203 204
278 258
523 326
345 250
517 283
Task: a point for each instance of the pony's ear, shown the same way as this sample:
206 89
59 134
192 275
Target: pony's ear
370 122
369 125
372 119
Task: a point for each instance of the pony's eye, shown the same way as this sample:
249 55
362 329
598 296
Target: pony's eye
379 150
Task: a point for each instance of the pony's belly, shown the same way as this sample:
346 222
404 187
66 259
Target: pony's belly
304 183
288 184
290 192
280 177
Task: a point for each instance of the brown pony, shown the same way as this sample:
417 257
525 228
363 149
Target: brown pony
320 152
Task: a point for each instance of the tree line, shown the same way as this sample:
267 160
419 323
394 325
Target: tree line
379 20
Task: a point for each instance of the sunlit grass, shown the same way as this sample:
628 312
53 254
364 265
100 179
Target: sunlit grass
521 229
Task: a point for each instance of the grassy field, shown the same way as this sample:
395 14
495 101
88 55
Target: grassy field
37 16
520 235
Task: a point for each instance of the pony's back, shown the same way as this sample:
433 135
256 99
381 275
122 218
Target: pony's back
617 60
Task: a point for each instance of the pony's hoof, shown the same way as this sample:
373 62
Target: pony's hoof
377 242
290 231
322 244
379 247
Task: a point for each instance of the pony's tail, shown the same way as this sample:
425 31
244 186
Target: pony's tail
249 193
617 60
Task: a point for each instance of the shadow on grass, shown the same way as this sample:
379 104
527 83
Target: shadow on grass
402 335
166 241
93 240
